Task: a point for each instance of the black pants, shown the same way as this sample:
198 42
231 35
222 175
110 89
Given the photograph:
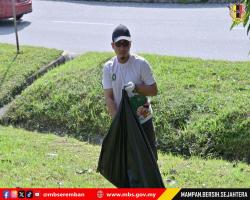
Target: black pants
148 128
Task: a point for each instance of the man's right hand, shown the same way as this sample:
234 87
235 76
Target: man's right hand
109 99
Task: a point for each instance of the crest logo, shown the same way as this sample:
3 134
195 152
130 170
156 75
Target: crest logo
113 77
237 12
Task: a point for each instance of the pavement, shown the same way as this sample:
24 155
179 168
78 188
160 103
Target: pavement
190 30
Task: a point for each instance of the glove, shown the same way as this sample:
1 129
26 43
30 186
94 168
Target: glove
129 87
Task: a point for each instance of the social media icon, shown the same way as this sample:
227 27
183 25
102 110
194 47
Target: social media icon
37 194
21 194
13 194
6 194
29 194
100 194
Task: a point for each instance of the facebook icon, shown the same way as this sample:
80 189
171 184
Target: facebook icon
6 194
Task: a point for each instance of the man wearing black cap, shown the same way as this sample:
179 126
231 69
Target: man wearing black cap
134 73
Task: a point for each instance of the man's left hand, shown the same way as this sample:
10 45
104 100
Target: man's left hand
129 87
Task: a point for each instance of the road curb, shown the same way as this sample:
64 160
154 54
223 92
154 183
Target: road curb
61 60
66 56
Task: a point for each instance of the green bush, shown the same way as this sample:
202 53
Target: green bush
203 107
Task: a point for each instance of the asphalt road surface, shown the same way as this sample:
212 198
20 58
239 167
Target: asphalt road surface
194 30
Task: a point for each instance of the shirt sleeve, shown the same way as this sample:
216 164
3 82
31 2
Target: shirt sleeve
146 73
106 78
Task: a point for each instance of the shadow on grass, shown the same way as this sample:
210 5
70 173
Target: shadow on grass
6 72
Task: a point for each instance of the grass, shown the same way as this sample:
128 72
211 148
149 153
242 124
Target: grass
202 108
67 99
202 111
15 69
33 159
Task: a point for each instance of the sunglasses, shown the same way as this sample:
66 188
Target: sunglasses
123 43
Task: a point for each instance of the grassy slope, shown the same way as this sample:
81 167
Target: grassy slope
15 69
202 107
33 159
68 98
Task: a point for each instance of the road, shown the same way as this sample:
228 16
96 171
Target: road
194 30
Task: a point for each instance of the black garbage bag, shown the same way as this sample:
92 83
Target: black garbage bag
126 158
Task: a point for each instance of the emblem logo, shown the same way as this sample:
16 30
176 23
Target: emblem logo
237 12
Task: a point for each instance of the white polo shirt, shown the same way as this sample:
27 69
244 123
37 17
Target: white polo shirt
116 75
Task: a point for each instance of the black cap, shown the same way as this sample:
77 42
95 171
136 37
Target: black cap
121 32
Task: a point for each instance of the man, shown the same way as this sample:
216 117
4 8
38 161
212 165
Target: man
133 73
